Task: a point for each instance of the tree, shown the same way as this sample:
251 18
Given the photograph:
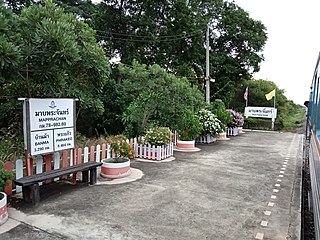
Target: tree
50 53
171 34
155 97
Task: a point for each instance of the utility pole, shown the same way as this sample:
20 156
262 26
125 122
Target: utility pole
207 78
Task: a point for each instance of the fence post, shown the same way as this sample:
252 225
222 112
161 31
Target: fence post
39 166
159 153
103 151
71 157
98 147
91 153
19 173
64 161
79 157
29 163
48 164
8 189
140 150
56 162
85 154
152 152
74 162
135 147
108 151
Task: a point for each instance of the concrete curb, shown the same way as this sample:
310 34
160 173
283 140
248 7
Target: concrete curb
195 149
135 175
170 159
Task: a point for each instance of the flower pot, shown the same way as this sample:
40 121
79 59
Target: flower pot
119 169
223 135
185 144
3 208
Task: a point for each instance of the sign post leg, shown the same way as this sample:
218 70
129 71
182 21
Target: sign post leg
29 163
272 124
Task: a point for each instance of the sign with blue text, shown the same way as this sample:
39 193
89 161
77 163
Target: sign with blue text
261 112
49 125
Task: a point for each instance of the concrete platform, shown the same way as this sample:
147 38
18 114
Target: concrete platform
246 188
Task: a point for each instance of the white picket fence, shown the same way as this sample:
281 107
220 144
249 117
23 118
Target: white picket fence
232 131
152 152
93 153
89 154
206 139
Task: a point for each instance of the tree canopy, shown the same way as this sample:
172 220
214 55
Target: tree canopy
45 52
172 35
156 97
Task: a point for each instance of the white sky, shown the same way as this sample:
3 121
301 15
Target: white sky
293 43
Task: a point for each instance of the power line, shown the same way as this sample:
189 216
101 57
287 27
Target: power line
142 40
149 39
148 36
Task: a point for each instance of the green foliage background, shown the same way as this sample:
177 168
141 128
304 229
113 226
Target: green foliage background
62 49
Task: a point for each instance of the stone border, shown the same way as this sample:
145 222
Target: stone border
169 159
135 175
223 139
195 149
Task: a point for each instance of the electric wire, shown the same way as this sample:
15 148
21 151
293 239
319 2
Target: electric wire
130 38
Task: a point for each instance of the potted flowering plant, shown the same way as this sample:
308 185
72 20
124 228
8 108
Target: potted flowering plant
237 122
119 165
4 176
212 126
189 128
157 144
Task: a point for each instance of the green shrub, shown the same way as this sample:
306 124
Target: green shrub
189 126
218 108
4 176
158 136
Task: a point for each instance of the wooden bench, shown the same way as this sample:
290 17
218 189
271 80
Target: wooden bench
30 184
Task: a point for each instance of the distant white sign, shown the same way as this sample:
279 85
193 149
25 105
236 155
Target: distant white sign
261 112
49 125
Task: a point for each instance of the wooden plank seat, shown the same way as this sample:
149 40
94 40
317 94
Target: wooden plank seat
30 184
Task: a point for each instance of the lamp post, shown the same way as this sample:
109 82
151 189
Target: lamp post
207 78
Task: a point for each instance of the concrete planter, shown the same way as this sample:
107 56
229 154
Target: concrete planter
112 169
3 208
185 144
223 136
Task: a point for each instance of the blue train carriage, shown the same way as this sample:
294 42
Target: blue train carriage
310 219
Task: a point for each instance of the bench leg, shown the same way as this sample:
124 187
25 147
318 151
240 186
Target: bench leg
26 194
35 194
85 176
93 176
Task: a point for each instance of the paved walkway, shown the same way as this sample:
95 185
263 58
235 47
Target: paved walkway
245 188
